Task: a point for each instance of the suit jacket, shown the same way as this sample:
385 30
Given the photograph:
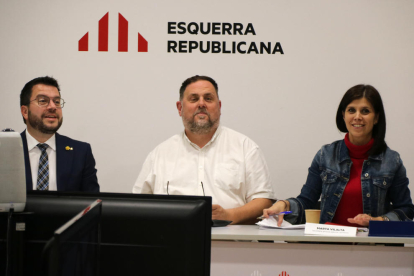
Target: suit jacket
75 169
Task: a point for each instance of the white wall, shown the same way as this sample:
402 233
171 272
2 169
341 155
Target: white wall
124 103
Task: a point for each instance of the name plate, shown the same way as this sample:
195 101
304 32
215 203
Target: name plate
330 230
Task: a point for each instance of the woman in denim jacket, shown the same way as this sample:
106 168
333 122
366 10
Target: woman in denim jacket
359 178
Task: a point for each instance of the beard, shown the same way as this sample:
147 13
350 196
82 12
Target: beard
37 123
202 127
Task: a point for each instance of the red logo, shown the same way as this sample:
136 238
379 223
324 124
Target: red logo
103 36
283 274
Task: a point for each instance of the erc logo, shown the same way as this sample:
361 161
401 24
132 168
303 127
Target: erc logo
103 36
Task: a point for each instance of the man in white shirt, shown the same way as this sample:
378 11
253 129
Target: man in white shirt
209 159
53 161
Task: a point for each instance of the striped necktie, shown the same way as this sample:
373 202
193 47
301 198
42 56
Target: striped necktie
43 172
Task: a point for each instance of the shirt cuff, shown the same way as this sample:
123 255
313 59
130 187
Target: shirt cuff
266 195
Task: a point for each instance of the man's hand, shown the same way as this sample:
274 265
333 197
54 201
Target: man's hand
218 212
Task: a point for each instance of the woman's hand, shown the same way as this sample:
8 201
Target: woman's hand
363 219
280 206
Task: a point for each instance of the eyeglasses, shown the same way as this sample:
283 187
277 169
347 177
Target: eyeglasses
202 186
43 101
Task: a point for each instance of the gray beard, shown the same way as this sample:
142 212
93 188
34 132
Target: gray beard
201 128
38 124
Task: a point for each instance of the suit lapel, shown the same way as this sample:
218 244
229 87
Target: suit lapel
63 163
29 181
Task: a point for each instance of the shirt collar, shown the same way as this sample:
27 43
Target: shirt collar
32 142
379 156
216 134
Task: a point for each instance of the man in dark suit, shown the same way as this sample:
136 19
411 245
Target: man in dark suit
53 161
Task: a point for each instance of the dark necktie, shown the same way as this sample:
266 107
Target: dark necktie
43 172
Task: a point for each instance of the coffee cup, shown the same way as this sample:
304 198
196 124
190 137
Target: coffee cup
312 215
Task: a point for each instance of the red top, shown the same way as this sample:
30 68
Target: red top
350 204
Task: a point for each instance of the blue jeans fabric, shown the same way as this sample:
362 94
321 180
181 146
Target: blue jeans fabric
384 185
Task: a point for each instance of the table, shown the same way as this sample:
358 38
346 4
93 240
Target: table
249 250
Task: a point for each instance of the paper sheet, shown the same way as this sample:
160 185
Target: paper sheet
271 222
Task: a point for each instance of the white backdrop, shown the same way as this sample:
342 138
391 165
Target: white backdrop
123 103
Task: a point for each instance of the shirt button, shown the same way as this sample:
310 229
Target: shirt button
367 174
368 163
368 194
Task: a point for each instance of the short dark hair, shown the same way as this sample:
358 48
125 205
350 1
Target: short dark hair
194 79
372 95
26 93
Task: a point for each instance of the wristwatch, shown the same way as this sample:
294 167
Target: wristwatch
385 218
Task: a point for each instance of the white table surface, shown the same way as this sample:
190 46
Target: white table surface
253 232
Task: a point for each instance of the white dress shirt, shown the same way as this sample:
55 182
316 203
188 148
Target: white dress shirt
34 156
231 167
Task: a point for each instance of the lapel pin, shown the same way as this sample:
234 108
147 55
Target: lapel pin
68 148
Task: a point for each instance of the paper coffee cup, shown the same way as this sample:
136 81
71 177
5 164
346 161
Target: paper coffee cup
312 216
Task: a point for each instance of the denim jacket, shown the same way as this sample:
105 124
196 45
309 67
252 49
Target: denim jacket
384 185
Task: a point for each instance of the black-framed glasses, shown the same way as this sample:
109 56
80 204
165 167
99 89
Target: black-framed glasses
43 101
202 186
